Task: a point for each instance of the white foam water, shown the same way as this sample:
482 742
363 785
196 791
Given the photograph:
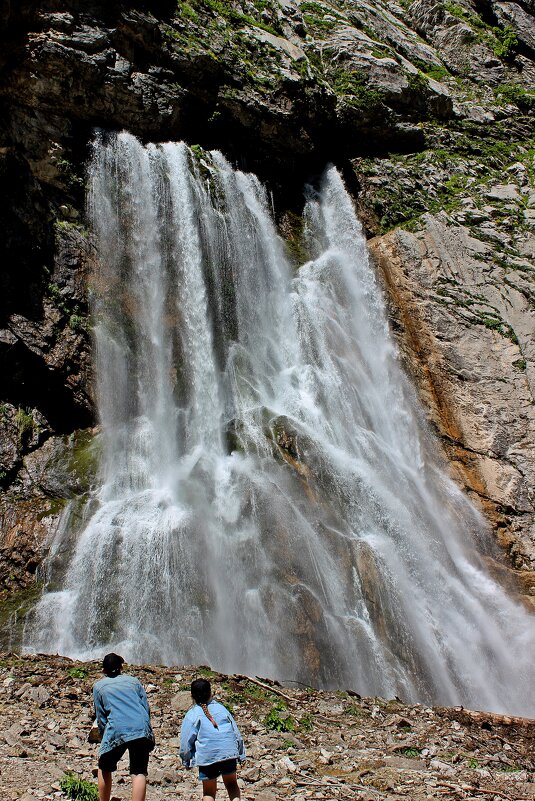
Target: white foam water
270 501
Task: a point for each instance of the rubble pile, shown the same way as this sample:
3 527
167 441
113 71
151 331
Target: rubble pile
301 743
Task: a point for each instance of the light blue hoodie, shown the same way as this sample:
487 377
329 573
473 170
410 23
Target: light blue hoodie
122 711
202 744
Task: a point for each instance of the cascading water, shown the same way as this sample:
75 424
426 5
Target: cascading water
269 500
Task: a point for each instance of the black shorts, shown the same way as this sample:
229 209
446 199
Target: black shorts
138 751
216 769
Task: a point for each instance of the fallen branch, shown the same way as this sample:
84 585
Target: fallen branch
267 687
288 698
467 788
486 717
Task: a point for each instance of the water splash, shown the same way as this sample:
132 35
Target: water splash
269 501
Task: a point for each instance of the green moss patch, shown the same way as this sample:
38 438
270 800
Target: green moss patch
13 611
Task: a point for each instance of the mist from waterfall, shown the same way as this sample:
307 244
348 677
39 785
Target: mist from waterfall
269 499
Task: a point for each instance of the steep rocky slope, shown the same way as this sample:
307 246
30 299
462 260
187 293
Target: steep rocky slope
427 108
301 744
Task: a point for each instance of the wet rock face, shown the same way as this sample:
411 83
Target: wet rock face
411 99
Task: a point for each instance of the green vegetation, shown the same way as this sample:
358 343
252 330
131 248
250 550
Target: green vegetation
286 744
206 672
417 82
13 611
353 709
320 18
83 456
507 43
248 691
78 789
274 721
411 753
77 322
520 364
466 16
68 173
462 163
515 93
477 308
354 87
225 9
292 229
503 328
502 40
473 763
187 12
436 71
78 673
25 423
67 225
306 723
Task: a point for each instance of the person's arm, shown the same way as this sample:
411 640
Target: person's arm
100 712
239 740
188 738
143 697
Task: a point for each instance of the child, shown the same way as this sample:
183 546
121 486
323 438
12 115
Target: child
210 739
123 719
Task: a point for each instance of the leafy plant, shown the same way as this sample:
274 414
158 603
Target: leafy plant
77 673
206 672
24 422
276 722
77 322
507 43
514 93
411 753
78 789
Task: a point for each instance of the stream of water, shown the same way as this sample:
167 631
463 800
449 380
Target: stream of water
269 501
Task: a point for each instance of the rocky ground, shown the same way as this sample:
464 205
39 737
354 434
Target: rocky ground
301 743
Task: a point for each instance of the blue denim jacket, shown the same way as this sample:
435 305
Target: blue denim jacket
202 744
122 711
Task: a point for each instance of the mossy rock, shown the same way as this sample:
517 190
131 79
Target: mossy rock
13 611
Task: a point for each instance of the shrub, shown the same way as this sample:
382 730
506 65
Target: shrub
275 722
77 673
78 789
507 43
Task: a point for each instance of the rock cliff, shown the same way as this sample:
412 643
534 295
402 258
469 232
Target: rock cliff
427 108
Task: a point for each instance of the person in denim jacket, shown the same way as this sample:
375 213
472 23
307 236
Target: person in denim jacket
123 719
211 740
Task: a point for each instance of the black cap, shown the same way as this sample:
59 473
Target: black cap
111 664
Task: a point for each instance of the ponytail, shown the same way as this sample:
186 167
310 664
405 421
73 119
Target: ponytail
204 708
201 693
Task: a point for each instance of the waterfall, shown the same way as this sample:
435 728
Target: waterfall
269 501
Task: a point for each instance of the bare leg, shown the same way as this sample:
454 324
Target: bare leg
139 786
231 783
209 788
104 785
